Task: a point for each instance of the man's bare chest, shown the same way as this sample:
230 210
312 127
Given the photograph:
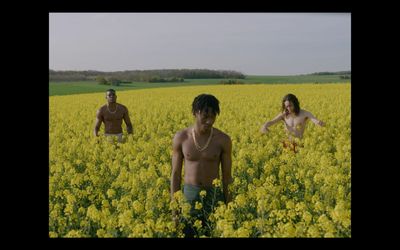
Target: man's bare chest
295 122
211 153
113 116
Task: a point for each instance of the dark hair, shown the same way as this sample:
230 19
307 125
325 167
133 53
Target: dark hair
293 99
205 102
110 90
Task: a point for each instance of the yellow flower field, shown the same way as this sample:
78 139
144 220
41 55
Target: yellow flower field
99 189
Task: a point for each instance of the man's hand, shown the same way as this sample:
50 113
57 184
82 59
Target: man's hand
321 123
264 129
97 138
175 218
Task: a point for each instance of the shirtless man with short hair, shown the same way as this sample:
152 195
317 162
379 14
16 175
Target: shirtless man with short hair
112 115
294 119
202 148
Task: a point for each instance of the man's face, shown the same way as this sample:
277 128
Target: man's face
289 107
205 120
111 97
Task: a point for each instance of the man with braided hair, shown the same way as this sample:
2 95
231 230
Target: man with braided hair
203 149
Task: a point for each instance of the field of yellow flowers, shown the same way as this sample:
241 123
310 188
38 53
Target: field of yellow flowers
99 189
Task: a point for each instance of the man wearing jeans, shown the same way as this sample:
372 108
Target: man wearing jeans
203 149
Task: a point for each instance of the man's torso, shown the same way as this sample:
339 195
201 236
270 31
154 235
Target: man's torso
113 118
295 125
201 168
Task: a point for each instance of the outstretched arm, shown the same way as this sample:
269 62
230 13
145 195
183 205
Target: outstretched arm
264 128
226 166
129 127
315 120
99 120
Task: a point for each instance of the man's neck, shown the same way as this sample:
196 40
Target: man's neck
200 132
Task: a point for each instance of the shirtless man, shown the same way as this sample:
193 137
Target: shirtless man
294 118
203 149
112 115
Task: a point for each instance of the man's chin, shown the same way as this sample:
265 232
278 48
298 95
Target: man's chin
206 128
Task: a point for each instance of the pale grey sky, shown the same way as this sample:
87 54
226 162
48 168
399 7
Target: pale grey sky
252 43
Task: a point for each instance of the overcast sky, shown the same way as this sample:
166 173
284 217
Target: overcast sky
252 43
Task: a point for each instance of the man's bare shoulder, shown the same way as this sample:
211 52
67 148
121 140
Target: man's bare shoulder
122 106
304 113
281 116
221 135
181 135
102 109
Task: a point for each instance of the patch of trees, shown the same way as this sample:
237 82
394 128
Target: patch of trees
161 75
108 81
230 82
333 73
71 75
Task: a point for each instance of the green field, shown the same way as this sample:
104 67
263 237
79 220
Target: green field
69 88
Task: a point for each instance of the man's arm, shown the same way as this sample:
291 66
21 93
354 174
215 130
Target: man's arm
264 128
176 173
99 120
226 166
177 161
129 127
314 120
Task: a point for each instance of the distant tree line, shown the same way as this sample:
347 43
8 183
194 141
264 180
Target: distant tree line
230 82
333 73
108 81
341 74
345 77
74 75
159 75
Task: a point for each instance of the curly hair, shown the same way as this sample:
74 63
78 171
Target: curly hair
205 102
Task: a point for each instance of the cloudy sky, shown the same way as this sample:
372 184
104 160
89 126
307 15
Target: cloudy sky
252 43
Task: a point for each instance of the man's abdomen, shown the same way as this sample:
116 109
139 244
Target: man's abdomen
113 128
201 174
